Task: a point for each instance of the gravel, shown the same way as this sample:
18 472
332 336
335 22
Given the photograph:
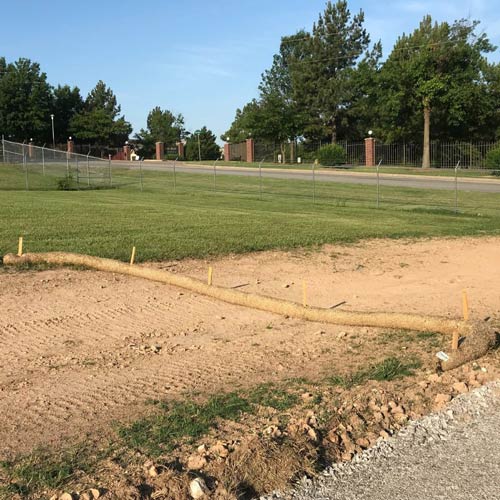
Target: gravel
454 453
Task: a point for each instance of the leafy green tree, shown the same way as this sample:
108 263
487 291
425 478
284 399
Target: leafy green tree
99 121
25 100
202 143
321 75
435 74
162 126
66 104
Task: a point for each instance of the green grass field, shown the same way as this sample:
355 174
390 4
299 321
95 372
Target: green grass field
196 221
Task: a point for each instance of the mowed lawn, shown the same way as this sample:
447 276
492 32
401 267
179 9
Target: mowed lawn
206 216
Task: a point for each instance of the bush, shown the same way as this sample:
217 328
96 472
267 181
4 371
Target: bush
493 158
331 155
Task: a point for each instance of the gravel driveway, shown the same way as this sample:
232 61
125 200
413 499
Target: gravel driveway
454 454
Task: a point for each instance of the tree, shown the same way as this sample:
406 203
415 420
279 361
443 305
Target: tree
202 144
25 98
162 126
66 104
320 76
99 121
435 74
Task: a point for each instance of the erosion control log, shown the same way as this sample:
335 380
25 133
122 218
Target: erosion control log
477 332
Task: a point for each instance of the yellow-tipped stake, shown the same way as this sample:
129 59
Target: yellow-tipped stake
20 246
132 257
210 274
304 294
465 305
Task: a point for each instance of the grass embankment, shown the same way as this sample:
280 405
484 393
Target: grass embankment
397 169
196 221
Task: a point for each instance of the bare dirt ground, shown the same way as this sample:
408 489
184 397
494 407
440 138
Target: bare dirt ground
80 349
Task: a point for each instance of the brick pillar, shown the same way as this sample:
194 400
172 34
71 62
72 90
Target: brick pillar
180 150
160 150
227 152
250 150
369 152
70 147
31 151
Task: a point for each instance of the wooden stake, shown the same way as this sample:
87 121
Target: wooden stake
20 246
465 305
304 294
210 275
132 257
454 341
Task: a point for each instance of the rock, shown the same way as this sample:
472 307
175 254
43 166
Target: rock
307 396
95 493
424 384
378 417
347 442
356 421
342 335
219 450
397 409
363 443
312 434
66 496
202 449
384 435
400 418
333 437
198 488
53 497
286 285
85 496
153 471
460 387
442 399
272 431
195 462
347 456
434 378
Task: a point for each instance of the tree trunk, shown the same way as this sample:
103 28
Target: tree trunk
426 159
334 131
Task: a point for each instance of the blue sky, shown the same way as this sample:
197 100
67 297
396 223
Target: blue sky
199 58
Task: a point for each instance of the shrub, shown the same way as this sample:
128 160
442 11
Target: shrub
331 155
493 158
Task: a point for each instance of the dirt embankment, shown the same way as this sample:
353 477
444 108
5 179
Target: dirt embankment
79 349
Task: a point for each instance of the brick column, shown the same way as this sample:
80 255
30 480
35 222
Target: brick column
160 150
180 150
126 152
250 150
31 151
70 147
369 152
227 152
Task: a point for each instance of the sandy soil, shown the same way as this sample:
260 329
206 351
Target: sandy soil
80 349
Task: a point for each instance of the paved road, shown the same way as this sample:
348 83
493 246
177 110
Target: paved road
411 181
458 459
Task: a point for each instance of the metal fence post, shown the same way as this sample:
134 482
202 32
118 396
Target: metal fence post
175 176
378 183
43 159
260 177
77 174
3 148
314 179
109 168
88 170
456 186
140 166
25 164
67 166
215 174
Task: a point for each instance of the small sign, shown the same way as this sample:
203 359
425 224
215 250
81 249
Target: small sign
443 356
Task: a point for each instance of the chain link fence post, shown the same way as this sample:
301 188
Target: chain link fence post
260 177
25 165
378 183
175 175
43 160
215 175
314 179
109 168
3 148
140 166
456 186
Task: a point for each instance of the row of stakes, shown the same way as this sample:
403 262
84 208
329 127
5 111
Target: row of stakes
455 339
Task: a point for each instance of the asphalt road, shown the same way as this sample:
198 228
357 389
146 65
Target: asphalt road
395 180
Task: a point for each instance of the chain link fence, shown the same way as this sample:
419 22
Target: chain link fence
30 167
